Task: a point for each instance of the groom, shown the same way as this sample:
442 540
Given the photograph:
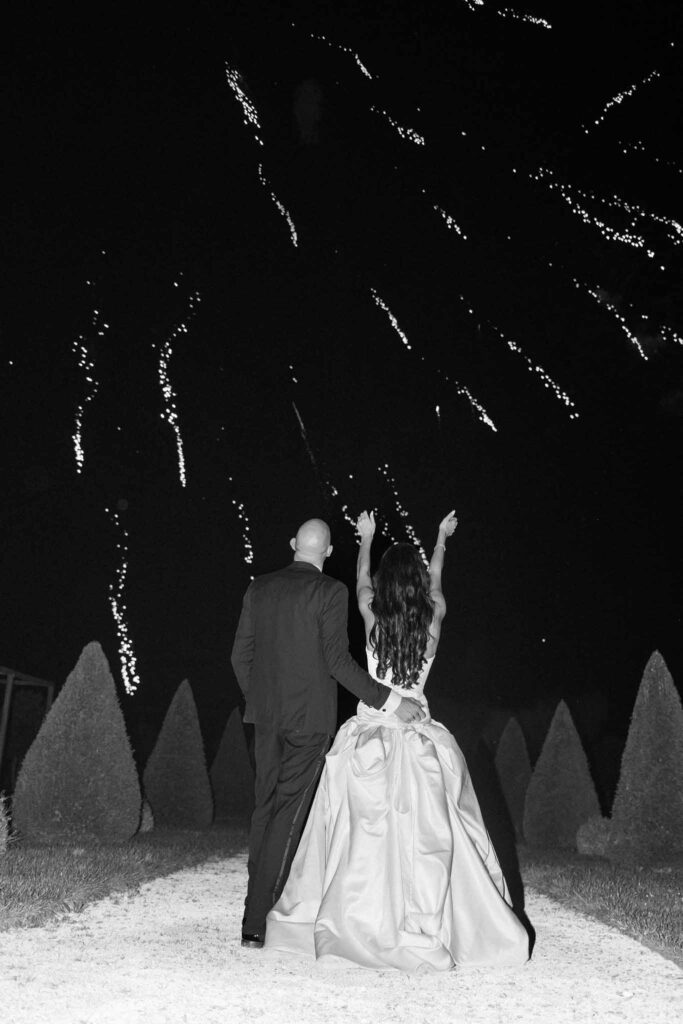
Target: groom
290 647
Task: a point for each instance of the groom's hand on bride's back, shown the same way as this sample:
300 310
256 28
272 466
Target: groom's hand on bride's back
409 710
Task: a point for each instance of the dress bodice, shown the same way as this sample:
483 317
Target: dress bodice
414 691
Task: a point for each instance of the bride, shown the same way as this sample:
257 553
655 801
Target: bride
395 868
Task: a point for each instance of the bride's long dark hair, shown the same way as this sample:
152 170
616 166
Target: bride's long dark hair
403 613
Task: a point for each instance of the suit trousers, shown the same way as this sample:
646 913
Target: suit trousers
288 766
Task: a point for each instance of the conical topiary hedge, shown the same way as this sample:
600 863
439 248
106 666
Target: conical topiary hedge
647 813
78 781
514 771
232 778
4 823
561 795
175 779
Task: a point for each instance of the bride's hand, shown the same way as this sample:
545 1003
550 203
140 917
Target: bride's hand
365 526
449 523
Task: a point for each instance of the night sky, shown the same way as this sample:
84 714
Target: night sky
128 164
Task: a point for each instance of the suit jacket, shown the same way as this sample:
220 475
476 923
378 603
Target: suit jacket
290 647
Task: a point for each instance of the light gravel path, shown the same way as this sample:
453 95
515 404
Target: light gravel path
171 955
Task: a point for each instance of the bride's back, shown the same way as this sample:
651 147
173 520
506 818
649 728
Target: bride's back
402 621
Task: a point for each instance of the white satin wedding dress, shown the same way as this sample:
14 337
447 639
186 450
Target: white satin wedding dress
395 868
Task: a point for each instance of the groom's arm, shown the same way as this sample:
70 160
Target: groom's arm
243 647
341 665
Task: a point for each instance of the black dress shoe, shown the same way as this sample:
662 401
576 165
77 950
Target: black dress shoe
253 941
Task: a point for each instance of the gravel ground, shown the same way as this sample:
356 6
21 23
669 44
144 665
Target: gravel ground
171 955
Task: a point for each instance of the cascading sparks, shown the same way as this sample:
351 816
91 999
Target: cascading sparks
251 120
619 98
530 19
461 389
548 382
81 348
247 544
450 221
344 49
170 411
117 601
508 12
283 210
632 235
407 134
601 297
402 512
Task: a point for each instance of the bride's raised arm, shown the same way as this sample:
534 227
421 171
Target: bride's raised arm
365 527
446 529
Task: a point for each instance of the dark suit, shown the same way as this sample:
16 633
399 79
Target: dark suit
290 650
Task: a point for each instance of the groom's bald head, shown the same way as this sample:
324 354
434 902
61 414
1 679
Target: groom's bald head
312 542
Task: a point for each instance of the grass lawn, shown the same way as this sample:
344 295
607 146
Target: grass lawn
646 903
38 883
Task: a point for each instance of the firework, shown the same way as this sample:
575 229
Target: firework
246 530
461 389
402 512
601 297
117 601
344 49
407 134
620 97
251 120
283 210
533 367
81 347
170 412
633 234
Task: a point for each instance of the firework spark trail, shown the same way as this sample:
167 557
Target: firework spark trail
530 19
450 221
408 134
246 531
600 296
548 381
461 389
343 506
345 49
250 113
283 210
251 120
117 601
666 332
384 470
86 363
620 97
170 413
507 12
673 229
304 436
392 319
325 481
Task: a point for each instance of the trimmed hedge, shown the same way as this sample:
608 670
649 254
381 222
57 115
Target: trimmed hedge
593 836
647 814
561 794
78 781
175 779
4 823
514 771
232 778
